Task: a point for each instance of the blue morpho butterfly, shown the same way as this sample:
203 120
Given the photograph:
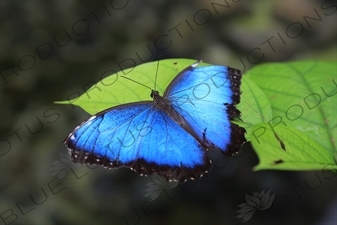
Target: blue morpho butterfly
170 135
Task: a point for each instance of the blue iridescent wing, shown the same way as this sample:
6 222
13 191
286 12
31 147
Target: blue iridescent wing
141 137
205 97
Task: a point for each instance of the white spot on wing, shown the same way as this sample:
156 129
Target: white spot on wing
91 118
196 63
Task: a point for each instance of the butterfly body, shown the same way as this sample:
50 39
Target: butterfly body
171 134
163 104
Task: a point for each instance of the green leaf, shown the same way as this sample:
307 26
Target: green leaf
303 96
286 148
115 90
254 106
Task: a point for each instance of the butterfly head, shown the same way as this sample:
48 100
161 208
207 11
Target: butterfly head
154 94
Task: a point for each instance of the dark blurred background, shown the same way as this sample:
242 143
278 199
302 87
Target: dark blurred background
54 50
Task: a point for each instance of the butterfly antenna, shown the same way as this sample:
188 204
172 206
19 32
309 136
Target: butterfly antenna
136 82
155 78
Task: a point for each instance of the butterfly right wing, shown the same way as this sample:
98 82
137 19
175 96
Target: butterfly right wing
140 137
206 97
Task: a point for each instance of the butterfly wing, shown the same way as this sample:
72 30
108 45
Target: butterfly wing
141 137
205 97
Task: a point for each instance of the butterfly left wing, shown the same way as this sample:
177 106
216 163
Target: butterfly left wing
140 137
206 97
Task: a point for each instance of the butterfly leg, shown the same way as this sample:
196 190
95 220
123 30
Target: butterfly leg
204 134
205 143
